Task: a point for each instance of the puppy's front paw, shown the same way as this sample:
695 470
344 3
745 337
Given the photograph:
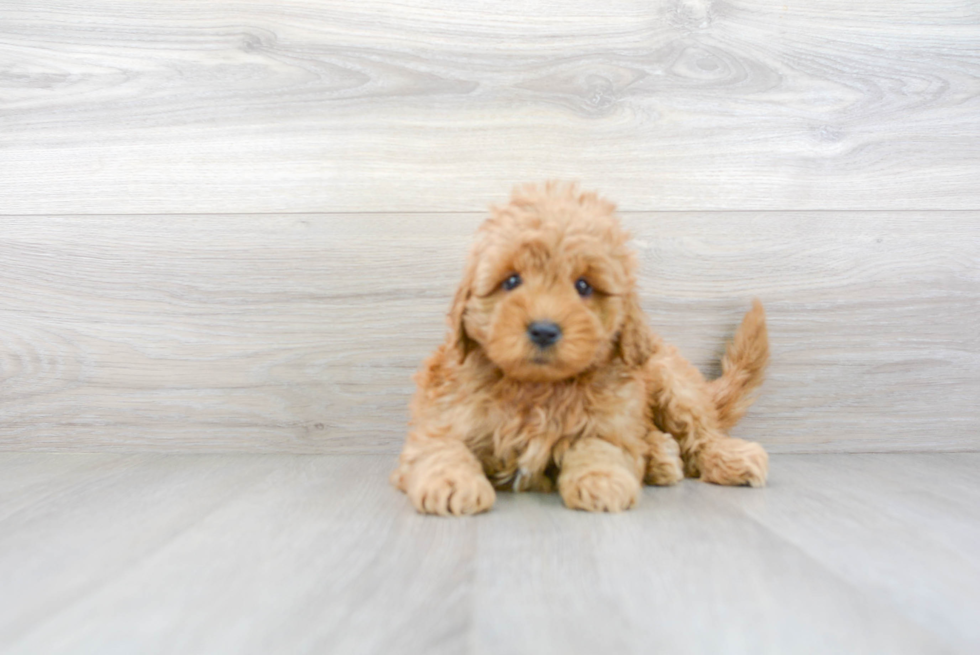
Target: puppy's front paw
455 493
663 462
664 472
606 489
734 462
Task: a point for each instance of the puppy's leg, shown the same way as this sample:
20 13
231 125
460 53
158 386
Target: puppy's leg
663 459
598 476
684 407
442 476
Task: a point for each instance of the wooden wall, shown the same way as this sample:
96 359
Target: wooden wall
230 226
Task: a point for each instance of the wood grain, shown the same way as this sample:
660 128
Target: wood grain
309 554
912 527
677 575
300 333
295 559
139 106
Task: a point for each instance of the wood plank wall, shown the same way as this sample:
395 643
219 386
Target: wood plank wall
230 226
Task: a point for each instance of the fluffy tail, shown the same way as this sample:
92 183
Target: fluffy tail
742 367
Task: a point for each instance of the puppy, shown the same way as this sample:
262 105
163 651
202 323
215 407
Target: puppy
550 376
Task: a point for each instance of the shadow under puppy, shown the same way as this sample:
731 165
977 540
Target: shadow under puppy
550 375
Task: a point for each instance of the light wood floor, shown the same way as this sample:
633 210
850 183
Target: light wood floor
103 553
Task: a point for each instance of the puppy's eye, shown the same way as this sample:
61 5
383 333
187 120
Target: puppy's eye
584 288
512 282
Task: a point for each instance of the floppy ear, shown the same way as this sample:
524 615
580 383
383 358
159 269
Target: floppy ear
458 339
635 344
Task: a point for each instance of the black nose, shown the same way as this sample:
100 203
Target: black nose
544 333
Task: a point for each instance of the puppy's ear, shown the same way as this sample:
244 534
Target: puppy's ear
635 344
458 339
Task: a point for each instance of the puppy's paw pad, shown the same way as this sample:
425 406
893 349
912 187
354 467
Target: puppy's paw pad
453 494
734 462
601 490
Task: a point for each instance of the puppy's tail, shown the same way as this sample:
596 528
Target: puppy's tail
742 367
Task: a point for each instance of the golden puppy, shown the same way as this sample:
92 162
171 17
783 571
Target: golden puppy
550 375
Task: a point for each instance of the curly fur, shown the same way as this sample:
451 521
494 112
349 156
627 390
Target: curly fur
605 409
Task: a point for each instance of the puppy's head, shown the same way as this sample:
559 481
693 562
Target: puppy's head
548 290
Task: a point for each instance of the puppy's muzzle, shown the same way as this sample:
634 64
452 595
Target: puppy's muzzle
544 333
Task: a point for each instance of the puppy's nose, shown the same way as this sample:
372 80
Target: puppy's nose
544 333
